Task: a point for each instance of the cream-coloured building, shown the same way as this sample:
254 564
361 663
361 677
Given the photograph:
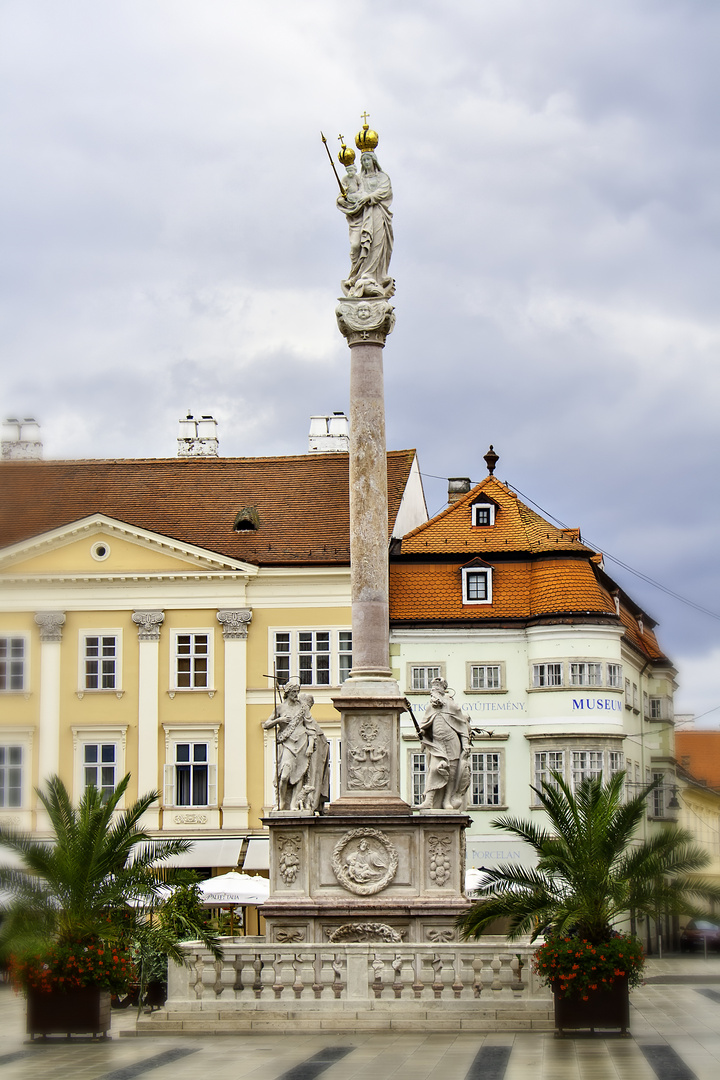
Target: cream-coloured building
144 607
555 666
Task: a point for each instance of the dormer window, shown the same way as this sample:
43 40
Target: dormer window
477 583
483 514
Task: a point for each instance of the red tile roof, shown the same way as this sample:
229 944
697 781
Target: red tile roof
302 501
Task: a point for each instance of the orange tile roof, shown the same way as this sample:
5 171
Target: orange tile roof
431 591
540 570
302 501
698 752
642 638
517 528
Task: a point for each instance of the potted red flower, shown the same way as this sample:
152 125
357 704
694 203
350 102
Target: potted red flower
590 982
81 903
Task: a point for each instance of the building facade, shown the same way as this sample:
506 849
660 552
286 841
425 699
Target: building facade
556 667
145 608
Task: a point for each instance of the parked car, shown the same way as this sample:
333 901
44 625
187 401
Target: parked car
696 933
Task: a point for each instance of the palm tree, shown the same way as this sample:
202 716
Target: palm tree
95 879
591 871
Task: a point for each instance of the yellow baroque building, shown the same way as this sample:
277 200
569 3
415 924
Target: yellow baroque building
145 606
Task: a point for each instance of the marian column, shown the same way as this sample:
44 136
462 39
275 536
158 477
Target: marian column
370 702
367 869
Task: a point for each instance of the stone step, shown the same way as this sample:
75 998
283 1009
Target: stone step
349 1017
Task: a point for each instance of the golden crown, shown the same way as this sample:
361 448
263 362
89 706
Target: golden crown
347 154
367 139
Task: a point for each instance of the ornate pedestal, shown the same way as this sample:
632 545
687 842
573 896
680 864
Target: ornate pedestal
366 877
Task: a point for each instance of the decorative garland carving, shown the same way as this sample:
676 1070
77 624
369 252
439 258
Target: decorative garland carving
440 936
364 861
367 931
287 935
439 859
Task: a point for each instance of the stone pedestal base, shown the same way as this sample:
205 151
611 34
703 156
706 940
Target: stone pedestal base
366 877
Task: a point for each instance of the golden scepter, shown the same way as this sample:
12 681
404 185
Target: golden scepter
343 192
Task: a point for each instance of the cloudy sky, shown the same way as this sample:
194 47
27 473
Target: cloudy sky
171 242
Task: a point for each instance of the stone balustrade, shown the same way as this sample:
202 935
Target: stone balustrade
253 971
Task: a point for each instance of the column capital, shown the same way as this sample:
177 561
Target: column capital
235 623
51 624
148 624
365 322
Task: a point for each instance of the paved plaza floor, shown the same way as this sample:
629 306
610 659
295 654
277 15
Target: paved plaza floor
675 1024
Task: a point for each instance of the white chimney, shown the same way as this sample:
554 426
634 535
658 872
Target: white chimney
20 440
197 438
329 434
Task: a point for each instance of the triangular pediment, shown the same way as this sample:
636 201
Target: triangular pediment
101 546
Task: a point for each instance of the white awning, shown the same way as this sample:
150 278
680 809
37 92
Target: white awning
220 852
257 856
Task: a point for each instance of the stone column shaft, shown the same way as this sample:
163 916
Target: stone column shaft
368 513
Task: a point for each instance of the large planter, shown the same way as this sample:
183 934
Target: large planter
77 1012
604 1010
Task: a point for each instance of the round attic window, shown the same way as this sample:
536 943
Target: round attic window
100 551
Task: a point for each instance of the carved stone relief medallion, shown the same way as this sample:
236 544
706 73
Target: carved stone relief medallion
364 861
439 861
289 861
368 759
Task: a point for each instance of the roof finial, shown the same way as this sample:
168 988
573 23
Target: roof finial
491 460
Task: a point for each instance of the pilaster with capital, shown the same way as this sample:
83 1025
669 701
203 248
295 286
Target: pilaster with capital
235 624
51 625
148 624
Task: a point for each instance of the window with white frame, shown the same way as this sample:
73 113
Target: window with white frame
313 657
615 676
190 766
584 673
656 710
12 663
476 586
192 660
344 654
646 704
546 763
418 776
99 757
547 675
658 796
628 695
11 776
586 765
483 514
420 676
485 779
635 698
616 761
485 676
100 662
99 767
